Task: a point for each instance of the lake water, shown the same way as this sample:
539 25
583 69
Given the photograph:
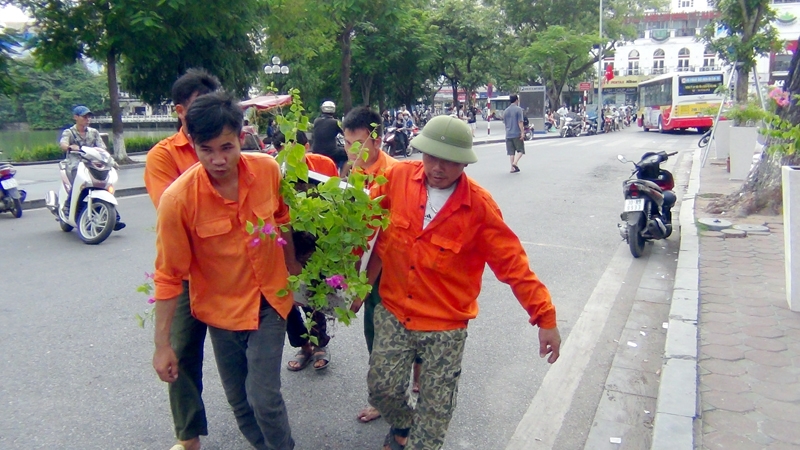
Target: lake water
11 141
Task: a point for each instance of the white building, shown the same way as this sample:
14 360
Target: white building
668 42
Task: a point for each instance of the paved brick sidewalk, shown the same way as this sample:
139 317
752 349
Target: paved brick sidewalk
749 344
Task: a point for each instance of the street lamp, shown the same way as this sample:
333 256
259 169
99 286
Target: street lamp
276 68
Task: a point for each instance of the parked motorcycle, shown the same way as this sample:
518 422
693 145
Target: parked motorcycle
90 205
590 126
571 126
11 197
395 146
528 133
649 198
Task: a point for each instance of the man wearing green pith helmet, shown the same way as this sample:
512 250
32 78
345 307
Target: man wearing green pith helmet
444 229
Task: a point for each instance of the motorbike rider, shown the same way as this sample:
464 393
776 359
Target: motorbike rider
326 130
77 136
400 125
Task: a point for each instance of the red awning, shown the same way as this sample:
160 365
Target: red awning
267 102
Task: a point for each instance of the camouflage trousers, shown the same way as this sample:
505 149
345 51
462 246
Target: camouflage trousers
393 352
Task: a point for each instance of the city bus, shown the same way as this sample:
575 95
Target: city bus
499 104
680 100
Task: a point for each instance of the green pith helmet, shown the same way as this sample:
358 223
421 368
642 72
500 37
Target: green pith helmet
448 138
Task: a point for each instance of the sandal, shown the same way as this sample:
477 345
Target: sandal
391 443
321 354
302 359
368 414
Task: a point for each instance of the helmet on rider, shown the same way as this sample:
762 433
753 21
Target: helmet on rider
328 107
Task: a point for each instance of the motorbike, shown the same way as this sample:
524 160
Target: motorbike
571 126
649 198
86 200
590 128
11 197
394 146
528 133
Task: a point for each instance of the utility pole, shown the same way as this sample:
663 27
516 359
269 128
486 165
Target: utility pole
600 71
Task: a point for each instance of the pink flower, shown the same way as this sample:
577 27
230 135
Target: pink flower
149 276
336 282
151 300
254 242
281 241
268 229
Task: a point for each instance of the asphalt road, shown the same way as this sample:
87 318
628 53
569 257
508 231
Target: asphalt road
75 367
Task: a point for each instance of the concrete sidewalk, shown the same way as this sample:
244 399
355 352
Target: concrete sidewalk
740 389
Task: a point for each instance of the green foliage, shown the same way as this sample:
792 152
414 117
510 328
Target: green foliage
140 143
147 288
747 32
50 152
744 114
53 152
341 219
45 98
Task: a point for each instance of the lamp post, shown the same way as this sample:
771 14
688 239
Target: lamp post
276 68
600 71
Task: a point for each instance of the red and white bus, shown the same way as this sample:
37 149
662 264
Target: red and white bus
681 100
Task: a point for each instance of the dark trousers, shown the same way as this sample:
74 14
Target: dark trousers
373 299
187 337
249 364
296 327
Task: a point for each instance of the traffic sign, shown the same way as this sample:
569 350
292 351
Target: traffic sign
585 86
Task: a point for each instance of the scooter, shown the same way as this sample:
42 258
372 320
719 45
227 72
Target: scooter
649 198
528 133
11 197
394 146
571 126
590 126
86 201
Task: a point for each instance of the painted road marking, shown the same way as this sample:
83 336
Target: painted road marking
541 424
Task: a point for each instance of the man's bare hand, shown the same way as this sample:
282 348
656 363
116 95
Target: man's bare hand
549 343
166 363
294 267
356 305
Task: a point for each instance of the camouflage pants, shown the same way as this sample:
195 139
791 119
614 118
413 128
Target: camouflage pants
393 352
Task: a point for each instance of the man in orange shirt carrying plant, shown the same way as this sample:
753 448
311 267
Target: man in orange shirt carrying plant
236 281
443 230
166 161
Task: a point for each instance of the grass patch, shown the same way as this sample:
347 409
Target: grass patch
140 143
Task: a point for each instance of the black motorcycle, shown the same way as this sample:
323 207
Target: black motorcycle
649 198
395 142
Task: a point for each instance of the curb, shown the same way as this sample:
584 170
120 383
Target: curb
125 192
56 161
676 406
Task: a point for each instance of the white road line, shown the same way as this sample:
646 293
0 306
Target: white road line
567 247
542 422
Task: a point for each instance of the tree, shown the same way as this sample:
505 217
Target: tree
145 34
9 43
468 34
559 54
743 32
762 189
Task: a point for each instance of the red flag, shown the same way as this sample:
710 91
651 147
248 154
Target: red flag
609 72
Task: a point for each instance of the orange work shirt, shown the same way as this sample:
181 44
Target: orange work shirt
202 235
166 161
431 278
378 167
321 164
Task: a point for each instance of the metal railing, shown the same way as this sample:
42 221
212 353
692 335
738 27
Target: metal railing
138 119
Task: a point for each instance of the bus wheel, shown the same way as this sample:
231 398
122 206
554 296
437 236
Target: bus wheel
645 129
660 126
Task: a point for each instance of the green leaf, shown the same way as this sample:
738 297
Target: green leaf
249 227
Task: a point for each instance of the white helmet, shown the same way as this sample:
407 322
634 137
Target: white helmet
328 107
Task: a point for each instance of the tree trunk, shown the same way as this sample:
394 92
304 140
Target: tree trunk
381 97
116 113
347 57
761 191
366 88
742 84
454 85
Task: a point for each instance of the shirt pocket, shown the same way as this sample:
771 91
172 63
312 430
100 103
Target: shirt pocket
215 238
266 211
446 253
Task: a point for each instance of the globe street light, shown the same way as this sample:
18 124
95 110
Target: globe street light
276 68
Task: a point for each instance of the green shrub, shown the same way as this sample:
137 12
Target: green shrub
140 143
49 152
